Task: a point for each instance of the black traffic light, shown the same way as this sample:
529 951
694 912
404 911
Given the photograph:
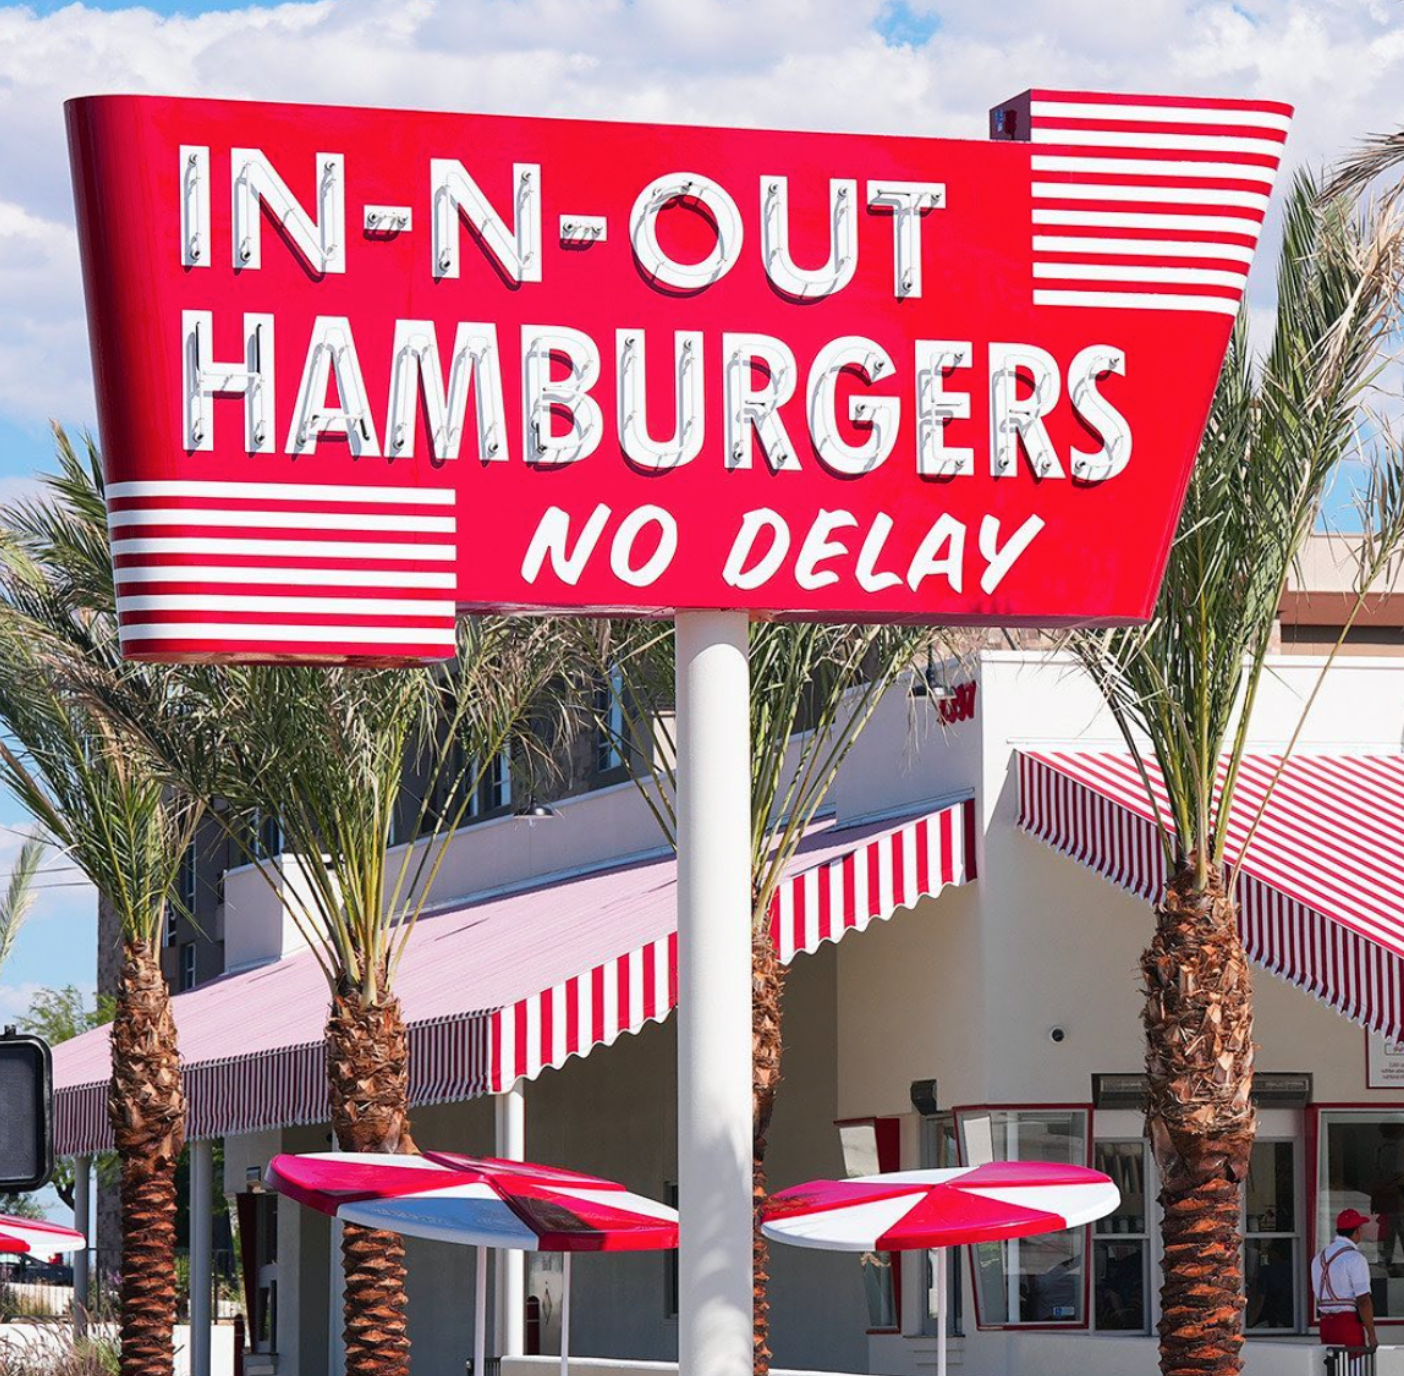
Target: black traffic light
26 1112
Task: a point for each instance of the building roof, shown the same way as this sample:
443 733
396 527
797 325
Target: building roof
505 985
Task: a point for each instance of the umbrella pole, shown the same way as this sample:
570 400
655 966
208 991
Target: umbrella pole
480 1317
941 1293
565 1313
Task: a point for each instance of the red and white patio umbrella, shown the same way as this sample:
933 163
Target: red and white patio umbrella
480 1202
21 1236
932 1210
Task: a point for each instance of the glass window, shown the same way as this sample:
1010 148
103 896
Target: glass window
670 1259
499 781
266 835
939 1152
1030 1280
185 879
1271 1246
187 966
1121 1246
871 1146
609 713
1360 1165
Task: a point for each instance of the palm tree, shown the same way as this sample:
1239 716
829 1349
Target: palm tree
814 689
1182 691
100 799
324 750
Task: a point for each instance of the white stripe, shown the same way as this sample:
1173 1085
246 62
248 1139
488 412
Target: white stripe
1147 219
1160 114
787 921
352 606
635 1009
1111 272
1140 248
810 880
1075 1204
240 632
1116 138
286 549
278 520
610 1012
398 579
283 492
908 842
1169 195
533 1036
855 1227
504 1072
1131 300
558 1025
1165 167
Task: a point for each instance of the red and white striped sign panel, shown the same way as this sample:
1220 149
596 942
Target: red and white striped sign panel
358 369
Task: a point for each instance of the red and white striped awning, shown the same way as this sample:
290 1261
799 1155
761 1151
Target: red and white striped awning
1321 891
504 988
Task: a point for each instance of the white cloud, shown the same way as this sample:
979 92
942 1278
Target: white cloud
15 1000
785 63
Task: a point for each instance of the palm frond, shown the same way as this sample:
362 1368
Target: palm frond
19 896
814 689
1182 687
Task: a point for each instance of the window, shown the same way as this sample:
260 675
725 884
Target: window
609 711
1360 1165
185 879
1121 1249
187 966
266 835
499 780
1030 1280
1271 1244
872 1146
184 894
457 778
939 1152
670 1259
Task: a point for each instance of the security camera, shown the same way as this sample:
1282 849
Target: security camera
1056 1034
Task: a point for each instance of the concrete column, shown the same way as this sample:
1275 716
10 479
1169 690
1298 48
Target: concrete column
201 1255
714 1014
82 1220
511 1265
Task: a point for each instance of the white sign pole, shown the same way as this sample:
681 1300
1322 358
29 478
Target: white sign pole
714 998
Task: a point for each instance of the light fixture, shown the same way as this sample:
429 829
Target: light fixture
533 812
931 683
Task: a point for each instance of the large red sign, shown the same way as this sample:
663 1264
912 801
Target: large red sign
359 368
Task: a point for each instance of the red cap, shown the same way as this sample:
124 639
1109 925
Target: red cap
1348 1220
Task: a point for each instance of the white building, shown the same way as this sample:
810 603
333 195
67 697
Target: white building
999 1016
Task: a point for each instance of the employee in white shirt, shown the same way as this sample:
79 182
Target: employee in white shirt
1340 1280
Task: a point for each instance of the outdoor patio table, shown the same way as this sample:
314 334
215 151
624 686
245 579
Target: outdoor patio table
25 1235
480 1202
933 1210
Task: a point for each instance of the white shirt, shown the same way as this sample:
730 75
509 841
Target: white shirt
1339 1276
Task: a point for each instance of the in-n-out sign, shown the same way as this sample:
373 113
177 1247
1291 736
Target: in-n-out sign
360 369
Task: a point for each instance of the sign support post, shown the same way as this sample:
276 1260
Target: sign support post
714 1006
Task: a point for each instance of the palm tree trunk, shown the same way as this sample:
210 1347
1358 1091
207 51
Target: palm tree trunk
767 995
368 1078
146 1106
1200 1117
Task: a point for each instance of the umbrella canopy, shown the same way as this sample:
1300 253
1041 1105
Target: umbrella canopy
945 1208
24 1235
477 1201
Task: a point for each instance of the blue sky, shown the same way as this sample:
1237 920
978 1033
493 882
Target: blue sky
868 65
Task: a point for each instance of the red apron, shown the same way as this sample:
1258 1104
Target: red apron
1339 1328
